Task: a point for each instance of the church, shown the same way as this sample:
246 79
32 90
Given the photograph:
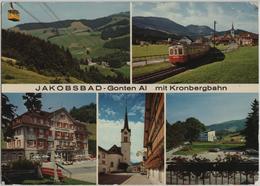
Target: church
116 158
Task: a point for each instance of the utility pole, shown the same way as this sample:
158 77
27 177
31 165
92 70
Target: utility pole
214 34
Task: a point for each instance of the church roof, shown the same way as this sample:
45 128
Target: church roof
115 150
126 126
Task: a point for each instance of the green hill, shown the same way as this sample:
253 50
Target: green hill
239 66
84 38
228 126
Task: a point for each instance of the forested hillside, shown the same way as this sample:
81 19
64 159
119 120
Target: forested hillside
51 60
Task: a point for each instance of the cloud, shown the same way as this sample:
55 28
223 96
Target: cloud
109 133
138 108
108 111
243 14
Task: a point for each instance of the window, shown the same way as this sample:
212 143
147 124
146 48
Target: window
30 143
125 139
180 51
103 162
18 131
18 143
112 164
103 155
171 52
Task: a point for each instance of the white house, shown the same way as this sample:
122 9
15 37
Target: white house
208 136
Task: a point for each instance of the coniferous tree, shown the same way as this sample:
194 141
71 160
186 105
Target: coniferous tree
8 114
251 130
33 101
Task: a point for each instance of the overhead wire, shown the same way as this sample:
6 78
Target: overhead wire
30 14
69 32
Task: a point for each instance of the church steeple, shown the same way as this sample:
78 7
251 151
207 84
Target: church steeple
232 31
126 126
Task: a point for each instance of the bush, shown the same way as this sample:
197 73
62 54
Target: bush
7 76
23 165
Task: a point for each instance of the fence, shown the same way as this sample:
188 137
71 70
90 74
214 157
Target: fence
149 59
212 173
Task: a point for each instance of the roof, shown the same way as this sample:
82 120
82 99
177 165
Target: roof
47 115
113 150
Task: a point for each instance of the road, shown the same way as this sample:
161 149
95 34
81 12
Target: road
137 179
124 179
83 170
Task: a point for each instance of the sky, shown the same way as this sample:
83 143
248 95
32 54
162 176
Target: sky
209 108
244 15
111 121
64 11
54 101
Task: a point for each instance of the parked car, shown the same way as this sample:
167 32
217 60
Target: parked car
214 149
251 152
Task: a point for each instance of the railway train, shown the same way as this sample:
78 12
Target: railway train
182 53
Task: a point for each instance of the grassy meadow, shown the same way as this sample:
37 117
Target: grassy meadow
13 74
78 43
141 51
199 147
239 66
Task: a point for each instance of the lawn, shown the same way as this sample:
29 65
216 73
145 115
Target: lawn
125 70
140 51
102 69
79 43
239 66
106 71
12 74
147 69
198 147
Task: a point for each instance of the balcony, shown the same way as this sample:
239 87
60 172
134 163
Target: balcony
50 138
31 137
65 147
41 136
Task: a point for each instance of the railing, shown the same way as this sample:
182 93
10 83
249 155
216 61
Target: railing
212 173
146 59
31 137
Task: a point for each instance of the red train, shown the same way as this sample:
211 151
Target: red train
182 53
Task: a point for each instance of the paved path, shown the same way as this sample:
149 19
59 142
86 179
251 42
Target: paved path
137 179
84 170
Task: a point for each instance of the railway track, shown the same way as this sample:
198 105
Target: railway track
157 76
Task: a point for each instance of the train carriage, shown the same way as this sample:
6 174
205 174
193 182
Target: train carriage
182 53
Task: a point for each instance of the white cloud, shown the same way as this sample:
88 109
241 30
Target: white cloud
138 108
108 111
109 133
